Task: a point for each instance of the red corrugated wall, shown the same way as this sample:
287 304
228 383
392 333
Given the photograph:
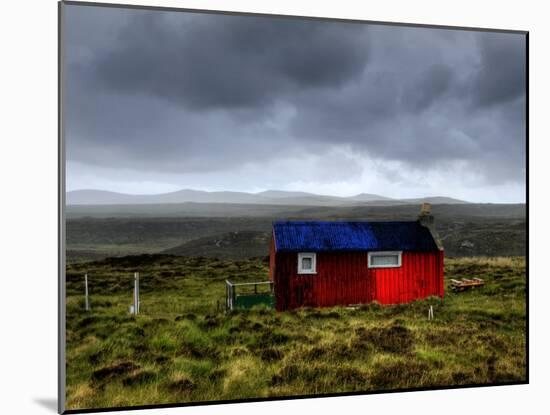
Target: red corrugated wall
344 278
272 259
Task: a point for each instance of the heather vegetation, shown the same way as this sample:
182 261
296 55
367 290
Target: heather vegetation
184 347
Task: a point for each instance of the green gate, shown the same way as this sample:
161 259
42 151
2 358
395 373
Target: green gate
248 295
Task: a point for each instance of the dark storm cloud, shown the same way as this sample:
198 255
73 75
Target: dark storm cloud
501 75
230 61
431 85
180 93
412 107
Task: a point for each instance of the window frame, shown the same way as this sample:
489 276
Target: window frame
385 253
313 256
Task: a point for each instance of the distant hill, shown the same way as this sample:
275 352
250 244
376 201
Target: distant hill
364 211
242 231
277 194
437 200
369 197
269 197
489 237
100 197
234 245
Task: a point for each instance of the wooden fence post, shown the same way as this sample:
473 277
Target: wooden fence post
86 300
136 293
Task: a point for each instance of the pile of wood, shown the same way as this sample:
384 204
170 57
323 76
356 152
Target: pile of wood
465 284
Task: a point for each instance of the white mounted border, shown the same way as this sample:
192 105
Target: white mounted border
313 256
399 254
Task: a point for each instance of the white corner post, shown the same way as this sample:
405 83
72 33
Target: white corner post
86 300
136 292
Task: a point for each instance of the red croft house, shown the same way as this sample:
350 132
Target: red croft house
321 264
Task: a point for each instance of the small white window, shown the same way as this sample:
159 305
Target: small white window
385 259
307 263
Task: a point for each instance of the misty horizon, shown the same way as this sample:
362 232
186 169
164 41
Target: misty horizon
255 192
277 196
259 192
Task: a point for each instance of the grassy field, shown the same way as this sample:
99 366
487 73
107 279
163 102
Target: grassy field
181 348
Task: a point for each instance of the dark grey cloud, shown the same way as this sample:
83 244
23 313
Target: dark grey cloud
171 94
501 75
414 108
431 85
218 61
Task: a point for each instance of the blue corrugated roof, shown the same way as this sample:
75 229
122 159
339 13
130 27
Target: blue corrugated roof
294 236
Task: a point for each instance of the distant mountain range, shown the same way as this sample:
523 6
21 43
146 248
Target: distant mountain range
269 197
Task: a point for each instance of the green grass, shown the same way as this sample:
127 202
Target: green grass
181 348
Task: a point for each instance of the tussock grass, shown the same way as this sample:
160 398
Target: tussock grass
509 262
183 348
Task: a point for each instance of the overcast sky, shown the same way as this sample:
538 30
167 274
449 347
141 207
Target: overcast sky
160 101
